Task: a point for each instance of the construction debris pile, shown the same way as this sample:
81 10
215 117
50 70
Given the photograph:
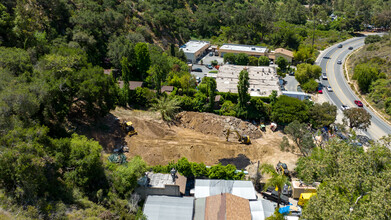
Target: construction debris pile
211 124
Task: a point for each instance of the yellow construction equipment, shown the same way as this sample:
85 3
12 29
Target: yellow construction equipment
128 128
282 168
304 197
244 139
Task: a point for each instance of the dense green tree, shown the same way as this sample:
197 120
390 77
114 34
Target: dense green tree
357 118
365 75
322 114
228 108
241 59
304 54
143 59
301 135
125 176
212 92
287 109
354 181
230 58
282 63
252 61
305 72
263 61
15 60
310 86
243 85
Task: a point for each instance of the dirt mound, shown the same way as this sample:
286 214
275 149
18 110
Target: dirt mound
211 124
151 128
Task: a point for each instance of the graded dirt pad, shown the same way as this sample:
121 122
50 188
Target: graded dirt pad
200 138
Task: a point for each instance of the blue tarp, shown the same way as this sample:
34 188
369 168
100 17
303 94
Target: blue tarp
284 210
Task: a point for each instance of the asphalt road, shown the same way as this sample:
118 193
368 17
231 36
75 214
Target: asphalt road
342 93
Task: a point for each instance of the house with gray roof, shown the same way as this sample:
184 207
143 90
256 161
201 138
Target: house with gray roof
168 208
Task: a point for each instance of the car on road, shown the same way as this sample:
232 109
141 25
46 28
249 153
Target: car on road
324 76
339 62
344 107
350 48
329 89
340 45
358 103
197 70
209 66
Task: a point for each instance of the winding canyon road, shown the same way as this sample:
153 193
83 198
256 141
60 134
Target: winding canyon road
342 93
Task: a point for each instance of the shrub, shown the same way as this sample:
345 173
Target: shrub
310 86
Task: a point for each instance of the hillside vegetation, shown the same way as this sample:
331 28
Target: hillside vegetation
372 71
53 85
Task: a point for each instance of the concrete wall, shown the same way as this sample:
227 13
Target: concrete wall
168 190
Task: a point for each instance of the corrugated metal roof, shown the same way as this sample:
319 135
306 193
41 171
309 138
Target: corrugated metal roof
168 208
261 209
205 188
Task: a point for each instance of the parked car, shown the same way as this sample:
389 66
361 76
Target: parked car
344 107
350 48
320 91
211 54
197 70
358 103
284 200
209 66
329 89
339 62
291 73
324 76
340 45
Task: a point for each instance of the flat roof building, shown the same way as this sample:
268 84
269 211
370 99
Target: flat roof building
263 79
195 49
239 48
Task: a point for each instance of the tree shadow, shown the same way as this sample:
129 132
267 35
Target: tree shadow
241 161
106 130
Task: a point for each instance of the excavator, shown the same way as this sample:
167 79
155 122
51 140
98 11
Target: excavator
127 126
283 168
243 139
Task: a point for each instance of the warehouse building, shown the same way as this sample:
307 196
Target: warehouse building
250 50
195 49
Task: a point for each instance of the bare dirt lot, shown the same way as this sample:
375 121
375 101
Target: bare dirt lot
200 137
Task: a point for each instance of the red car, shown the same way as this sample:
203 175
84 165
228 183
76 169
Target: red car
358 103
320 91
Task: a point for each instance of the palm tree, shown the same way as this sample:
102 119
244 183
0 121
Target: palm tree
167 107
277 180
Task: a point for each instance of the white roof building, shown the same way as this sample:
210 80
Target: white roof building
239 48
205 188
194 49
261 209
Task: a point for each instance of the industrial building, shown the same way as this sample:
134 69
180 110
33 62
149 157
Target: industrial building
263 79
250 50
195 49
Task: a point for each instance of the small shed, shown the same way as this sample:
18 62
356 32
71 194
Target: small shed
298 188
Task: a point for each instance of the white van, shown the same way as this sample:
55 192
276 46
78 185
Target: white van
324 76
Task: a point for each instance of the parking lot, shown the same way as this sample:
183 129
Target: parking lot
206 60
